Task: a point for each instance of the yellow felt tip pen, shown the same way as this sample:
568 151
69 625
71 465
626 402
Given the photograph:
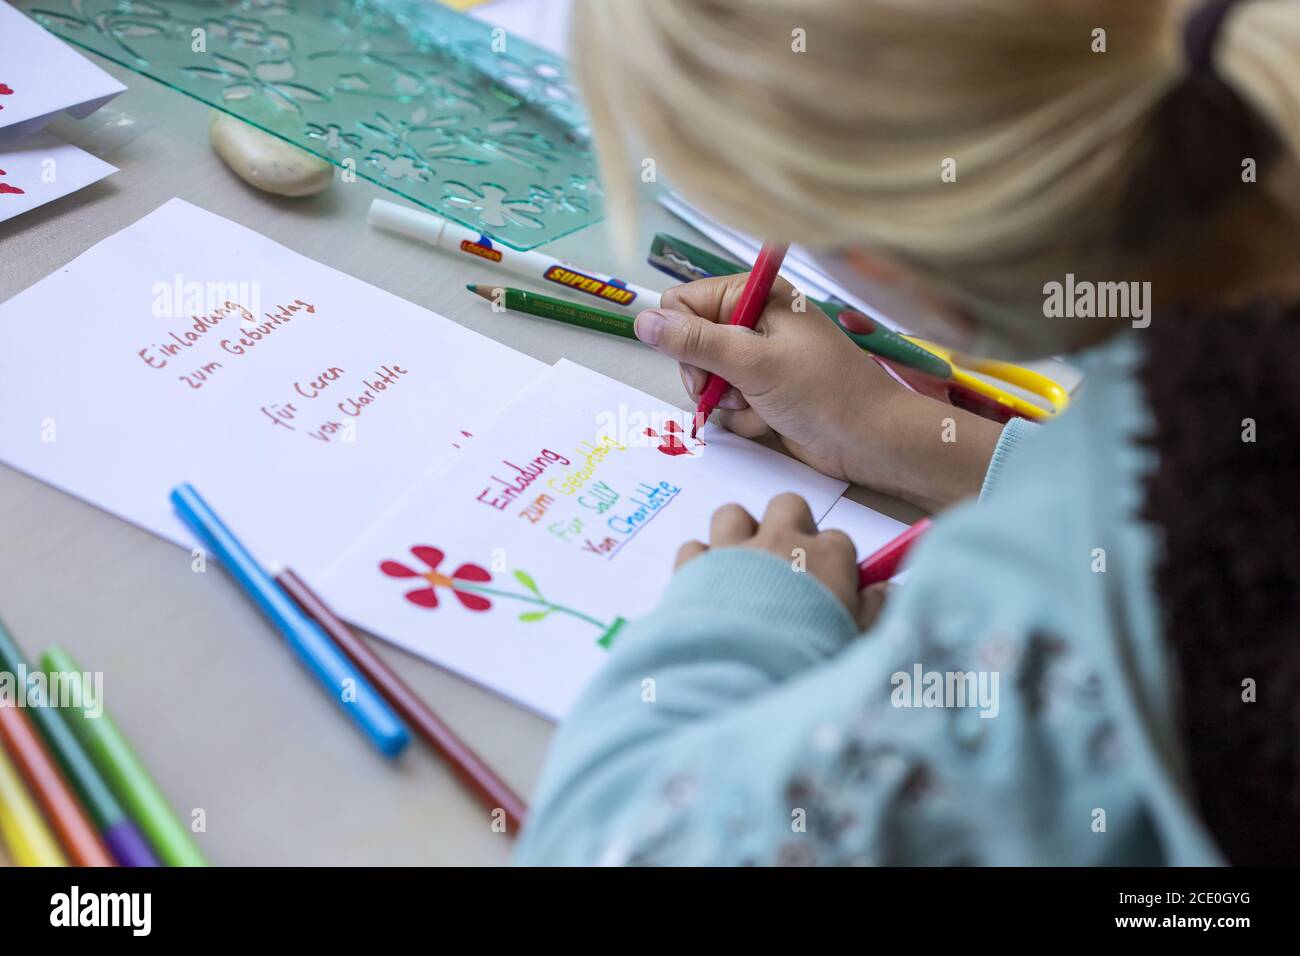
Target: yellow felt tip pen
22 828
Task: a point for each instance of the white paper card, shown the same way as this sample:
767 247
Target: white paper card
41 169
41 77
299 401
558 520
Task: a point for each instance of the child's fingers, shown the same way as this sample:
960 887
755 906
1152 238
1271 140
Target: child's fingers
732 400
691 549
731 525
705 297
838 540
746 423
727 350
790 510
871 601
715 299
693 380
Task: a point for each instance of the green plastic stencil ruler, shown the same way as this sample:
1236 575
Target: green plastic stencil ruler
456 115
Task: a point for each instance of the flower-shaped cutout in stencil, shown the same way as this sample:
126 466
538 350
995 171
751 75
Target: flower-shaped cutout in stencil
269 8
406 168
271 80
366 26
586 186
417 139
126 21
242 33
409 137
451 150
489 206
331 136
451 96
509 137
352 83
541 81
358 71
427 597
558 199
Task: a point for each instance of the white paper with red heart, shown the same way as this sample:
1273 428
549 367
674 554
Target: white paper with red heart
41 77
561 519
42 168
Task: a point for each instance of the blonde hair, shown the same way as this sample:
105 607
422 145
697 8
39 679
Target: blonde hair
844 144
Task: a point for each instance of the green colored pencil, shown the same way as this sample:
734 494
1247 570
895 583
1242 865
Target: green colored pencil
879 341
126 775
120 834
572 313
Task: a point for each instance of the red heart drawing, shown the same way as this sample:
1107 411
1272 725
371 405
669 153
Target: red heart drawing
5 90
6 188
670 442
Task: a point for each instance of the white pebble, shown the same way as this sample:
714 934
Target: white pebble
266 162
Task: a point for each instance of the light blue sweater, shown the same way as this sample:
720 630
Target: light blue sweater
746 721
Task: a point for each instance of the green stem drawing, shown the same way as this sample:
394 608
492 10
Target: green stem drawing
608 631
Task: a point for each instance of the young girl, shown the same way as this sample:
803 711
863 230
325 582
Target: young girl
1094 659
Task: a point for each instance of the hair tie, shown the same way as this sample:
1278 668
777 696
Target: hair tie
1201 33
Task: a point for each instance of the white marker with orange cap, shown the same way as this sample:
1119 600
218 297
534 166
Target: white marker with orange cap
457 239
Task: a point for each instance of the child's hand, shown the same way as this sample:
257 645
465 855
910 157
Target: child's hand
832 406
795 373
786 531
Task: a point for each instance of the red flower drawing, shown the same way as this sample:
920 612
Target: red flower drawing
428 596
468 582
5 90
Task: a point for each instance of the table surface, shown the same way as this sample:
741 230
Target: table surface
226 720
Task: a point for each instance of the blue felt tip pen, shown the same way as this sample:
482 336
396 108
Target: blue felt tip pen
341 679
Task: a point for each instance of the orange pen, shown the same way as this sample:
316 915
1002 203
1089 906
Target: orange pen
64 812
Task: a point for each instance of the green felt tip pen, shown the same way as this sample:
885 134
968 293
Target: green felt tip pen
572 313
688 262
888 344
119 833
125 774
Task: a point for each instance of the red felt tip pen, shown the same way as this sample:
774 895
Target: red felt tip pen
883 564
752 300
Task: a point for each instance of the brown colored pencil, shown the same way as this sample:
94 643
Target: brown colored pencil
464 762
65 814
